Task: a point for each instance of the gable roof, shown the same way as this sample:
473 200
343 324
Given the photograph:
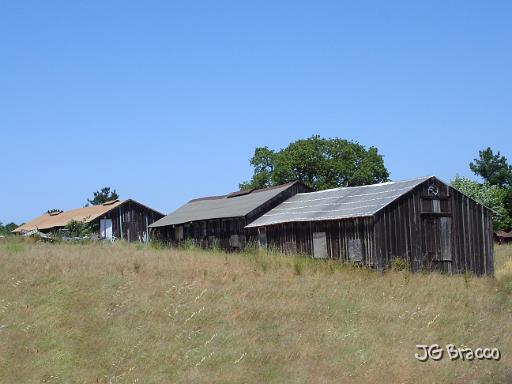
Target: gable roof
87 214
237 204
338 203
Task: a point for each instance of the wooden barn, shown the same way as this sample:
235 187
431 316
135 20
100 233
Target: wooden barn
116 219
424 221
221 220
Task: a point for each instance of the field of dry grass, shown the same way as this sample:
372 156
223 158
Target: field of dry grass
131 314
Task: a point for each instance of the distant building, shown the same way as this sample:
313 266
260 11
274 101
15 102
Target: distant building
120 219
424 221
221 220
503 237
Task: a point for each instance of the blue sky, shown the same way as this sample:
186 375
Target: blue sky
166 101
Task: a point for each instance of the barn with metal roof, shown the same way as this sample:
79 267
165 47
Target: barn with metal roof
423 221
221 220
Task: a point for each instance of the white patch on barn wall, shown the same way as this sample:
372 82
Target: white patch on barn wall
262 237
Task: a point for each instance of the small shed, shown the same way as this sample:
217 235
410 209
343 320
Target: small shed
502 237
221 220
120 219
424 221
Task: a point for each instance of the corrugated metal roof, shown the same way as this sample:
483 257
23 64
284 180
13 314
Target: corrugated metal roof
338 203
219 207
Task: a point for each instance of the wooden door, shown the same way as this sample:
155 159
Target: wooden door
437 242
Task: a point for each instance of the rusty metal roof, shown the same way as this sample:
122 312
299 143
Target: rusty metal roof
51 220
236 204
87 214
56 220
338 203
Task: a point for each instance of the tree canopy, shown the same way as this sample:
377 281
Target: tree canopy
103 195
493 168
7 228
318 162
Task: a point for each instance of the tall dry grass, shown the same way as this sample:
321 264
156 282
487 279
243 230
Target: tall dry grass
129 314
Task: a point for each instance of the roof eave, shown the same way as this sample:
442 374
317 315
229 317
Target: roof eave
309 220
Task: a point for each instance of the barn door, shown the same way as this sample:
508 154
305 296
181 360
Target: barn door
106 228
437 242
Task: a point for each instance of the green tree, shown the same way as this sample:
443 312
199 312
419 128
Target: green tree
493 168
263 163
103 195
491 196
318 162
6 230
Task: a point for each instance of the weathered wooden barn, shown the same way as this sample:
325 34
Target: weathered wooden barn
119 219
424 221
221 220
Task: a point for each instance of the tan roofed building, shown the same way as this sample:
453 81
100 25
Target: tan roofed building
121 219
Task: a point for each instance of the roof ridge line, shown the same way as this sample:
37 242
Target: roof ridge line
367 185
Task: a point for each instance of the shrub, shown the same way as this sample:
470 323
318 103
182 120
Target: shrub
399 264
79 228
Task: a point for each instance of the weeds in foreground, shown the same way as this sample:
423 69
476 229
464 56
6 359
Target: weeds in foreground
123 314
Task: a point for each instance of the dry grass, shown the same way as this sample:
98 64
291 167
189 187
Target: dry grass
126 314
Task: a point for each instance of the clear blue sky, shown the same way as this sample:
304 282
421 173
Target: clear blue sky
166 101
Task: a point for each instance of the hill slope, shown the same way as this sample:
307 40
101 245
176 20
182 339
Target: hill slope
125 314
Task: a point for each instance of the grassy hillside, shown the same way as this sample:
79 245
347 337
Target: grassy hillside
128 314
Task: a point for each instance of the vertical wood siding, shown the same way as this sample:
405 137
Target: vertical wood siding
297 237
226 232
130 220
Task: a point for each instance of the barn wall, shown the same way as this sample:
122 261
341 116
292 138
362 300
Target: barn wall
473 236
435 227
341 236
397 232
228 233
130 220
